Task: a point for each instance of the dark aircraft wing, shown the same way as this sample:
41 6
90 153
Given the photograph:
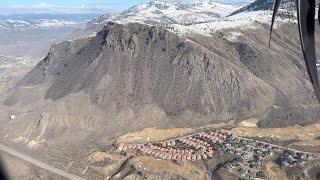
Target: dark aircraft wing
306 22
319 14
275 11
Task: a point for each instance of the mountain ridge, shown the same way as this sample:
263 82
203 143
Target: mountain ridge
183 80
130 68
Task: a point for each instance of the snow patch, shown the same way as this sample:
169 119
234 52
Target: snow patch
55 23
233 36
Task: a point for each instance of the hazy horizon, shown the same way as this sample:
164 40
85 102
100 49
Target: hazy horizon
74 6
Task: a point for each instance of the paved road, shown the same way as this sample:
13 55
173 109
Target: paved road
39 164
274 145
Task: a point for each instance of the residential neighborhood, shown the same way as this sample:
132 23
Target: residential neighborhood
249 154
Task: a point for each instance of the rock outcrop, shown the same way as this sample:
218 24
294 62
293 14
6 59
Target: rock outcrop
129 77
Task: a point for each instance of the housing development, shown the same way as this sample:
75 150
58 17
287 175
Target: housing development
249 154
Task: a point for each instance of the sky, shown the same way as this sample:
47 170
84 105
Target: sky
72 6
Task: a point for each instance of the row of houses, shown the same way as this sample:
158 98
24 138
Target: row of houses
198 146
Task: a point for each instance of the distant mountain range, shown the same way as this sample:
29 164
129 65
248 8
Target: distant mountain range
32 21
181 16
201 16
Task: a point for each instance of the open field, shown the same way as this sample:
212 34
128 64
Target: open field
306 135
99 156
151 134
188 171
275 172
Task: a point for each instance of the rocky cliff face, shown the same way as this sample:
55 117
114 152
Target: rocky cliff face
134 76
132 66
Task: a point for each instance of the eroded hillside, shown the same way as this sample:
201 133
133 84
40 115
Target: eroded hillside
139 76
130 77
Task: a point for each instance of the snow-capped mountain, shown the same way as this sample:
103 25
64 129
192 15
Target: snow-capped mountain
32 21
173 12
199 17
267 5
258 5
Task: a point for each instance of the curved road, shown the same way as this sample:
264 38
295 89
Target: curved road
39 163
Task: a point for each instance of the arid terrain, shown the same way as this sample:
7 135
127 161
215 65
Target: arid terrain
136 99
17 169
